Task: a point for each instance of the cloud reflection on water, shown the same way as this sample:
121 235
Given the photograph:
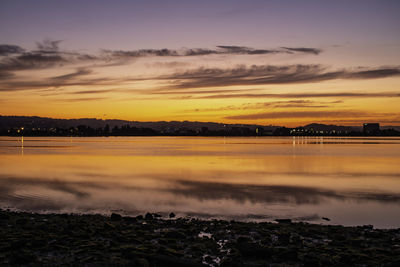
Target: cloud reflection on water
84 192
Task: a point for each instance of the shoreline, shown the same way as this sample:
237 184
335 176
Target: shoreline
33 239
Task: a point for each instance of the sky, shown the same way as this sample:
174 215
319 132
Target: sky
258 62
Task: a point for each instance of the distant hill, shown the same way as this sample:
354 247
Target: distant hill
7 122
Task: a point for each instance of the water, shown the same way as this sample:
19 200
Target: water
351 181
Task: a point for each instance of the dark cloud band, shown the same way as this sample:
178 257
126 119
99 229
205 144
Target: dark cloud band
271 74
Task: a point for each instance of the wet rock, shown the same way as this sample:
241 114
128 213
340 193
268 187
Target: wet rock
141 262
368 226
175 235
109 226
22 221
283 220
4 216
94 240
23 258
162 260
148 216
115 217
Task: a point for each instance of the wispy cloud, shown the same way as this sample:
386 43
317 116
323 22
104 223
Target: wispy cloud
271 74
219 50
85 92
309 114
195 83
48 46
79 72
6 50
307 50
82 99
28 61
49 55
273 104
301 95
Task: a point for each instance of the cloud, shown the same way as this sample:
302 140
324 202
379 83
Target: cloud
6 75
301 95
306 50
6 50
219 50
49 55
170 64
309 114
298 104
82 99
273 104
48 46
28 61
270 74
245 50
374 73
84 92
168 92
69 76
55 83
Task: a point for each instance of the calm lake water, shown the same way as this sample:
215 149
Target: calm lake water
352 181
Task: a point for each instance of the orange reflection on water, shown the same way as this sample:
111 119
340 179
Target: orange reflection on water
245 178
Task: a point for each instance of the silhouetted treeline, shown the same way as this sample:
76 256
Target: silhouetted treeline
40 126
303 131
127 130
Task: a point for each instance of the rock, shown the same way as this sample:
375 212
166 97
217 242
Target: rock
115 217
148 216
175 235
4 216
109 226
283 220
368 226
142 262
163 260
22 221
172 215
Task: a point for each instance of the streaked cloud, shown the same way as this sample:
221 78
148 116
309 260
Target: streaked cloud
301 95
272 104
79 72
309 114
307 50
49 55
219 50
48 46
271 74
6 50
82 99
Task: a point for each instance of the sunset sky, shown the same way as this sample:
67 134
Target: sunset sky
259 62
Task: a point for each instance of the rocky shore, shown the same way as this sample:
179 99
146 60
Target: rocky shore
93 240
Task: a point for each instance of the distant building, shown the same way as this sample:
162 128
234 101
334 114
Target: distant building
369 128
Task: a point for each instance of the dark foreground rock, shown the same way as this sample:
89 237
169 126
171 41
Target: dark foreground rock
93 240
